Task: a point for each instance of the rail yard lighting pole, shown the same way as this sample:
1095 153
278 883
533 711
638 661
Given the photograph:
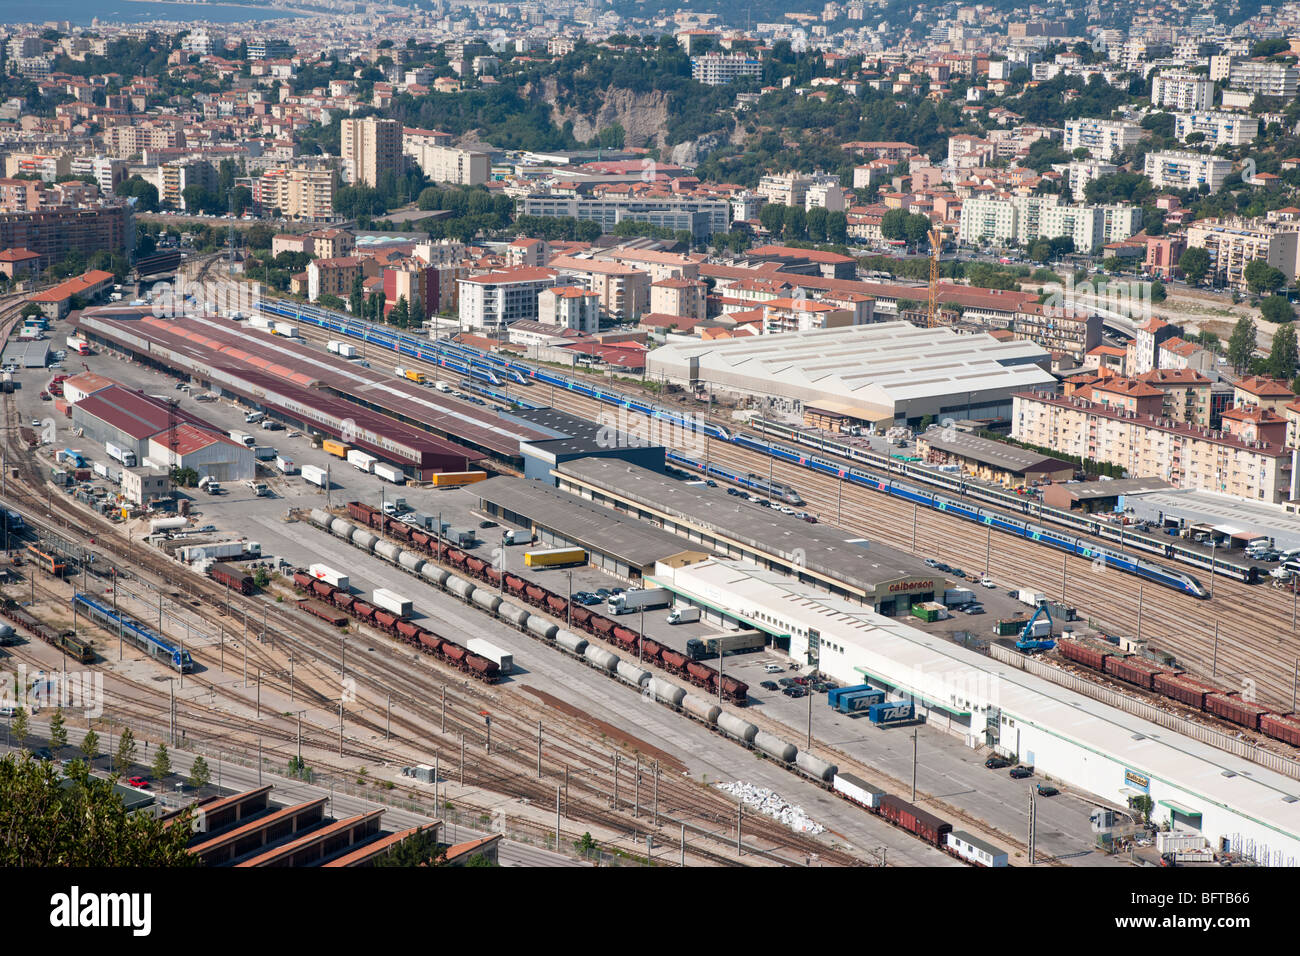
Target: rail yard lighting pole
640 644
503 560
1293 601
914 765
1214 663
915 508
988 551
1214 544
1139 627
1065 570
568 604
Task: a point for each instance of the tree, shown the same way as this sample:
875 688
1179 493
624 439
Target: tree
18 727
1261 277
915 229
419 849
162 763
399 314
1276 308
893 224
1242 344
47 822
90 745
328 301
772 217
58 731
1195 264
1158 293
1282 357
415 313
199 773
30 309
125 750
357 297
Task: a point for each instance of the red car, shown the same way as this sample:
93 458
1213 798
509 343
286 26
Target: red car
140 782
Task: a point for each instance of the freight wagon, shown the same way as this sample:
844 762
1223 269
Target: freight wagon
505 661
914 820
1134 670
858 790
233 577
323 611
1232 708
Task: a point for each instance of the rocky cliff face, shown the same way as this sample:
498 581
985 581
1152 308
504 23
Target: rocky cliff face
643 116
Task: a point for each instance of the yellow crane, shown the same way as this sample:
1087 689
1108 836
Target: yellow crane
936 244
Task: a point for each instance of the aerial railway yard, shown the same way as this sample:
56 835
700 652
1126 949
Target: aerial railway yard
571 742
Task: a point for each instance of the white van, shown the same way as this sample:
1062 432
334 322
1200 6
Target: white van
252 418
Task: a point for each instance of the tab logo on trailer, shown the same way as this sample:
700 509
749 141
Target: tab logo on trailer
74 910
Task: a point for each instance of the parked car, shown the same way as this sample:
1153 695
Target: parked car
138 782
1020 773
734 491
931 563
786 681
997 763
768 685
987 582
795 692
1046 790
710 482
485 523
973 609
772 668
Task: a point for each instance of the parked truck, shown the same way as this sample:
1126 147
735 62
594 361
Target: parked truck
243 438
327 574
220 551
1030 596
78 345
285 466
505 661
389 473
638 598
264 452
393 602
958 597
518 536
361 461
683 615
120 454
343 349
314 475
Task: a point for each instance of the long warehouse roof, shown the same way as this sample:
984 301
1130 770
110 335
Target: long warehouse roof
914 657
849 559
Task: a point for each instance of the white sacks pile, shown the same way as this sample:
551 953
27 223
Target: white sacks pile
773 805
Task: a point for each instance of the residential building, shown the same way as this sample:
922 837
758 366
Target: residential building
415 281
679 297
332 277
1082 172
701 216
624 291
1183 169
447 164
54 231
1263 78
370 148
1103 139
569 307
1025 219
21 195
718 69
1145 346
492 301
48 166
1262 392
1182 91
1219 128
1186 394
1235 243
1152 446
268 48
298 192
1058 329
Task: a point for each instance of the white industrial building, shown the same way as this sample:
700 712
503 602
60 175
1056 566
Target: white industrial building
886 373
1226 516
1233 803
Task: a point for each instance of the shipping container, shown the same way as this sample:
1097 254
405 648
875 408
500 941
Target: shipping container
859 700
335 448
890 711
444 479
958 597
360 460
327 574
285 466
833 695
554 557
392 601
314 475
265 453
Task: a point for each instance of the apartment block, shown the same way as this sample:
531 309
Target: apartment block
1186 394
52 232
1248 458
623 291
490 302
298 192
1182 91
1058 329
129 140
1263 78
413 280
1219 128
48 166
702 217
107 171
1103 139
1082 172
1027 218
570 307
1183 169
1235 243
20 195
718 69
679 297
447 164
332 277
370 148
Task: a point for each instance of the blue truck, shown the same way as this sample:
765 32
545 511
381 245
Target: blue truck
859 700
891 712
835 693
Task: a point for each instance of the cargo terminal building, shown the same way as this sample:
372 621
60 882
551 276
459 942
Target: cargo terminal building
1233 803
625 547
880 577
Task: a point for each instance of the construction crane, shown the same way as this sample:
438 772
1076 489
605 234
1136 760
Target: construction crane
936 244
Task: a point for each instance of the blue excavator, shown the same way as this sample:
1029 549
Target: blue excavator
1033 639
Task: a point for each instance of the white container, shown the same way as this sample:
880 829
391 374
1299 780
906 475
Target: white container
313 474
167 524
504 660
361 461
392 601
285 465
327 574
683 615
958 597
389 473
639 598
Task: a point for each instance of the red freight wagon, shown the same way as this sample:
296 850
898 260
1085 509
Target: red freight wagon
322 589
535 595
1088 654
303 580
456 556
624 637
453 652
235 578
1184 689
1134 670
601 625
734 690
422 541
493 576
515 585
1232 708
343 600
650 650
359 512
323 611
556 605
676 663
1284 727
363 611
408 629
700 674
385 619
474 565
914 820
582 617
430 641
482 668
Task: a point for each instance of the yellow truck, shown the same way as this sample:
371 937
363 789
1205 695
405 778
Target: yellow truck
336 448
414 376
554 557
448 479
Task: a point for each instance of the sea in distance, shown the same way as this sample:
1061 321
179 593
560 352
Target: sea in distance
82 12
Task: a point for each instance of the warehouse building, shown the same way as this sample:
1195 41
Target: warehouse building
208 453
988 459
572 438
1099 496
887 580
888 373
622 546
1232 520
1234 804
